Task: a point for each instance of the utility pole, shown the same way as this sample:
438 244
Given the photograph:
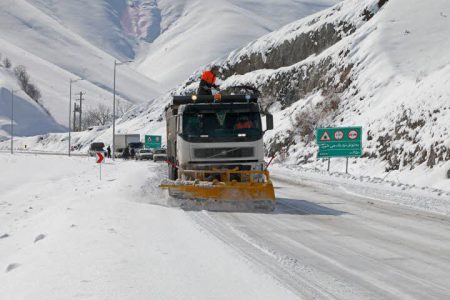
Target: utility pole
114 114
80 109
71 81
70 115
116 63
75 110
12 119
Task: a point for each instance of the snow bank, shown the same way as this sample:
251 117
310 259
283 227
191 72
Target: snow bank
66 234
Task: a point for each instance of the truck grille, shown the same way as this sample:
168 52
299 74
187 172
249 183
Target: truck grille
224 153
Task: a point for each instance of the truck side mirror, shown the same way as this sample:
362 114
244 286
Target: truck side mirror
269 122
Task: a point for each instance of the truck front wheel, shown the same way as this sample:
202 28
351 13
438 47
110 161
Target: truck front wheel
173 173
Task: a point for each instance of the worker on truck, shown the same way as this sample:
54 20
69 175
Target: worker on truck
243 123
208 81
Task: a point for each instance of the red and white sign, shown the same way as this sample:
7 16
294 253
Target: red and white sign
353 134
100 157
325 137
338 135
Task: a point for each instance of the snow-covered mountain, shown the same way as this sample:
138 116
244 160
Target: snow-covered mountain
54 54
377 64
194 32
161 34
60 40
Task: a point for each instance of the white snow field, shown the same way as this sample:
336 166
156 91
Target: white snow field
64 234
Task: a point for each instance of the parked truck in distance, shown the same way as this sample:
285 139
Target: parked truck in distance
122 141
96 147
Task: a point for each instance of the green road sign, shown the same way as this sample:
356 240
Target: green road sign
339 142
152 141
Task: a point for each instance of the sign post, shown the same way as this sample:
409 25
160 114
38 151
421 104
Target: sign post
153 141
339 142
100 158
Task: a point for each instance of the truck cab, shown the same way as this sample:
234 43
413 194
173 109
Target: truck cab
206 134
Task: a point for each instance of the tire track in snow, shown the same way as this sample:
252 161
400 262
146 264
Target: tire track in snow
287 270
329 257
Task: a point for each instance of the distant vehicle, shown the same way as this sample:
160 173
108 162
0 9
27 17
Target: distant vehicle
123 140
135 147
119 152
96 147
159 155
142 154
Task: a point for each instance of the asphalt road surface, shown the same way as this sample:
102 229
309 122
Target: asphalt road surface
324 243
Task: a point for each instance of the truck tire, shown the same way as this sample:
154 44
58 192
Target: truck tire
173 173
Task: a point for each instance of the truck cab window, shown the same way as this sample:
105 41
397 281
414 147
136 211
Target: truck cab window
222 124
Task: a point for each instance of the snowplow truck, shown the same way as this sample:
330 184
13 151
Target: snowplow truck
215 154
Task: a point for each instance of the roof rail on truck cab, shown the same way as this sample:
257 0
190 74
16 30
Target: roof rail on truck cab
179 100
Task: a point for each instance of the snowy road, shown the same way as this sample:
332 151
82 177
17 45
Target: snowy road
64 234
325 243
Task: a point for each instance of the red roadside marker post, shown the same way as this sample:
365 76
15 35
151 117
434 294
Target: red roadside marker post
100 158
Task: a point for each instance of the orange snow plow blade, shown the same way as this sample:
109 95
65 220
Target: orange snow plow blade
227 191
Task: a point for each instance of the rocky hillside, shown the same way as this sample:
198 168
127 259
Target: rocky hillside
370 63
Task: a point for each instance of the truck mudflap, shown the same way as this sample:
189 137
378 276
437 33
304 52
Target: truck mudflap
222 191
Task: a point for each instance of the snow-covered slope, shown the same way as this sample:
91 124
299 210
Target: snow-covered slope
161 34
194 32
98 22
369 63
32 118
53 54
40 34
377 64
384 70
59 40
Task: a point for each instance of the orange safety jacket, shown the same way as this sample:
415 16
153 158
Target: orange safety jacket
209 77
208 81
244 125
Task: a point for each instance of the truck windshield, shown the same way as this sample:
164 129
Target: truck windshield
222 124
97 146
136 145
